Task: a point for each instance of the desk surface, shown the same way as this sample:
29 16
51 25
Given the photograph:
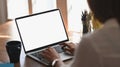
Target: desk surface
5 35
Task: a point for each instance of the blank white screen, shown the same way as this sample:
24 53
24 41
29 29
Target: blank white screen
41 30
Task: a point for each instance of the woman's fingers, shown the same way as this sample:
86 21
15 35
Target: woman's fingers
50 54
68 51
67 44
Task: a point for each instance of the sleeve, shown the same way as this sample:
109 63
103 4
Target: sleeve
85 55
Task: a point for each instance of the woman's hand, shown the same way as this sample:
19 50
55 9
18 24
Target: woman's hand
68 47
50 54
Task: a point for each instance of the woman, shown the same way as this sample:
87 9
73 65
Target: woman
100 48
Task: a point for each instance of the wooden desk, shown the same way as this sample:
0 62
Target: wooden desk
24 61
5 35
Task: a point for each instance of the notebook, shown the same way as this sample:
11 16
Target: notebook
40 30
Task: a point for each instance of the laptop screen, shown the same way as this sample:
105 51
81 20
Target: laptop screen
41 29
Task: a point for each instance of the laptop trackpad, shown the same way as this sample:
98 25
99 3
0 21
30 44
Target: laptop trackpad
65 56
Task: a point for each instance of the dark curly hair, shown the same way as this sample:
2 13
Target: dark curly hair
105 9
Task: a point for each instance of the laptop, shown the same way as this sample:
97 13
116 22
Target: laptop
40 30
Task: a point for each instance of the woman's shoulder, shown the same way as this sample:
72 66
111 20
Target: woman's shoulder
94 37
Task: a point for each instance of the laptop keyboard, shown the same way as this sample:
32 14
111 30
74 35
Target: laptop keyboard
38 55
58 48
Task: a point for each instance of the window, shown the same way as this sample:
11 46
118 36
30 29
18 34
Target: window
18 8
75 8
43 5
